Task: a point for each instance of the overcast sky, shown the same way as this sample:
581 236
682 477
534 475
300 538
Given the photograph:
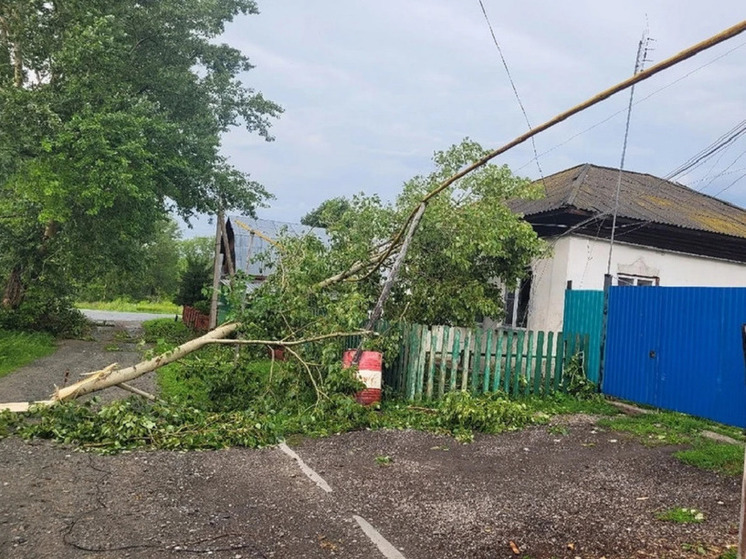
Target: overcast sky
372 88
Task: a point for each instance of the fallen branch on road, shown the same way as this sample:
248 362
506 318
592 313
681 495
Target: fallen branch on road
111 376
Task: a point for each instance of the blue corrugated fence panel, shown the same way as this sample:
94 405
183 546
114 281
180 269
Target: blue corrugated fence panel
584 315
678 348
632 321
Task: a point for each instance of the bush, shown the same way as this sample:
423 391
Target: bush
195 278
41 311
165 331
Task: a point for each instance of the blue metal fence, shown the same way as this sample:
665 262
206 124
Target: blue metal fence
678 348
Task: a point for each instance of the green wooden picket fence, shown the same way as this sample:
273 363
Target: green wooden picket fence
434 360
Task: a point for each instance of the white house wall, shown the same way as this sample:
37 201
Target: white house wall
583 261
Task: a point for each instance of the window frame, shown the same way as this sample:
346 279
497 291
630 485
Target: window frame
649 281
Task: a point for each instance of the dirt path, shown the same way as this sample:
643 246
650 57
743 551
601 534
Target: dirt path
110 344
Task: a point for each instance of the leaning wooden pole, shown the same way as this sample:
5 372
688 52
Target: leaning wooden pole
216 266
389 284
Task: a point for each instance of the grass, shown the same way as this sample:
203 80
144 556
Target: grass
383 460
671 428
668 428
681 516
20 348
124 305
718 457
166 331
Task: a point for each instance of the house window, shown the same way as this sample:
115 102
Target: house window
639 281
516 304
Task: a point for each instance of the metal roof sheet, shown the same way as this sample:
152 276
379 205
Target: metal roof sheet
248 245
642 197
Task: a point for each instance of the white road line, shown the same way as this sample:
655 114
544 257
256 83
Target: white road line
388 550
305 468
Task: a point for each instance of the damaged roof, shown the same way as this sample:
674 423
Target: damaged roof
643 197
255 236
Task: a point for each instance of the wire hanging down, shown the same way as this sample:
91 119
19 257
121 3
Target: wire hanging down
642 52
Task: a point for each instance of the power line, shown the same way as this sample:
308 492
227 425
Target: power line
515 89
642 100
722 142
700 158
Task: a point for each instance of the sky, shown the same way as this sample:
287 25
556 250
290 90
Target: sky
371 89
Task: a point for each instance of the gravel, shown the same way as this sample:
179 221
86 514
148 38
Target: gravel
563 491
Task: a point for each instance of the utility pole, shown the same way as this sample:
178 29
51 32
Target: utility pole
216 268
642 53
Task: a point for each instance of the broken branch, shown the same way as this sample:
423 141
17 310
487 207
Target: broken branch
108 377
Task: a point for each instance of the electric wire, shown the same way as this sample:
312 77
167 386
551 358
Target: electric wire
515 90
641 100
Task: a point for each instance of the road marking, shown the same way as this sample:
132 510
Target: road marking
388 550
305 468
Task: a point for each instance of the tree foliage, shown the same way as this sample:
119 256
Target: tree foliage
154 273
111 115
327 213
469 243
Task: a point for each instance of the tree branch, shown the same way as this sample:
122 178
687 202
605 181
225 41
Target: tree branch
281 343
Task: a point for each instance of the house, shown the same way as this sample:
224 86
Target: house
249 237
666 234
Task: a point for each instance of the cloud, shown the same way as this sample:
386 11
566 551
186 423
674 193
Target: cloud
371 89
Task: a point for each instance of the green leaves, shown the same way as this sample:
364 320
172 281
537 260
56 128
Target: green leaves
111 115
468 240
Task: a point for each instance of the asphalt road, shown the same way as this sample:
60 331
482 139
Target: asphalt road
116 316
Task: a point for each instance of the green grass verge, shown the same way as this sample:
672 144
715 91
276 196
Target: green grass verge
124 305
671 428
718 457
20 348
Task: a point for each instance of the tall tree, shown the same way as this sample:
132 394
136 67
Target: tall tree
469 243
111 114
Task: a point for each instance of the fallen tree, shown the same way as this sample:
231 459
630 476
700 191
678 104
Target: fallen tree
111 376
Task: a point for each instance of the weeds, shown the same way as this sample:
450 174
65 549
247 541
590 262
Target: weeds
383 460
681 516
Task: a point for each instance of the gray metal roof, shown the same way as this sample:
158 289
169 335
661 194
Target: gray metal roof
248 241
642 197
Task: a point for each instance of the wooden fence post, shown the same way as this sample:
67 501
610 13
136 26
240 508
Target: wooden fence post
443 362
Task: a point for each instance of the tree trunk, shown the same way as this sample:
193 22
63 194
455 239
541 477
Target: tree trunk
14 289
112 377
